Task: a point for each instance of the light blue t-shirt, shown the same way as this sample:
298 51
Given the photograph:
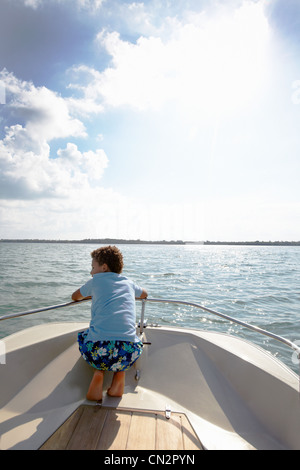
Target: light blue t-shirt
113 307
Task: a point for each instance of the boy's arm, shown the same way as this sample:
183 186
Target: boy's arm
144 294
78 296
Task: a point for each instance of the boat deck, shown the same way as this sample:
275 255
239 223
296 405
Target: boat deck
102 428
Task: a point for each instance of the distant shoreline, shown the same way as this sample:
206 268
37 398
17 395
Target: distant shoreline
116 241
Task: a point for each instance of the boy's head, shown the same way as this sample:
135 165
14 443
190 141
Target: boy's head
111 256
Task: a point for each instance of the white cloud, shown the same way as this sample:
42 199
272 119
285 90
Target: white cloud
32 3
86 212
45 112
45 195
28 170
91 163
207 65
92 5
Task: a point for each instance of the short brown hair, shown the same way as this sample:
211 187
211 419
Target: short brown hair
110 255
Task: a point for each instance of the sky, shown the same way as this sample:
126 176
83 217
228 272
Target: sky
153 120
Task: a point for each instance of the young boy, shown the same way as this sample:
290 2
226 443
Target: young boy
110 342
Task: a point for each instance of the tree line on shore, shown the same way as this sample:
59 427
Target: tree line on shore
103 241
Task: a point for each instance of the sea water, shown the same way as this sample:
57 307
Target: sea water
256 284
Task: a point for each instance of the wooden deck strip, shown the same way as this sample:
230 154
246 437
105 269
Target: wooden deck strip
101 428
166 439
117 427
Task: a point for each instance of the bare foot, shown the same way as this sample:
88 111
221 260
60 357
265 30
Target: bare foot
95 389
117 386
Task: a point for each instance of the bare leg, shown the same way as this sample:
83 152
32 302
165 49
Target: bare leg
117 386
95 389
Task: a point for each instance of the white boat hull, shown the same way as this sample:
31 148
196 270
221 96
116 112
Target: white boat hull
235 395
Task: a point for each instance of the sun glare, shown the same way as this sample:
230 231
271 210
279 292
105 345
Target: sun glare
208 64
225 62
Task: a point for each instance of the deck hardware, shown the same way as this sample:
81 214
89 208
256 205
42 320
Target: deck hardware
168 411
142 324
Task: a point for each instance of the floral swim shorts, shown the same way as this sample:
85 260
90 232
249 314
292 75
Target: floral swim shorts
109 355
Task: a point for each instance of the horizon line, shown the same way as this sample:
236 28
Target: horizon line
153 242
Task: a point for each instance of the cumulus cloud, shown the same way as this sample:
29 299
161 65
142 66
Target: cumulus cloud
43 192
91 163
44 111
197 62
28 170
92 5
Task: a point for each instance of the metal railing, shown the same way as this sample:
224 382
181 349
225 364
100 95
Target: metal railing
42 309
249 326
285 341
